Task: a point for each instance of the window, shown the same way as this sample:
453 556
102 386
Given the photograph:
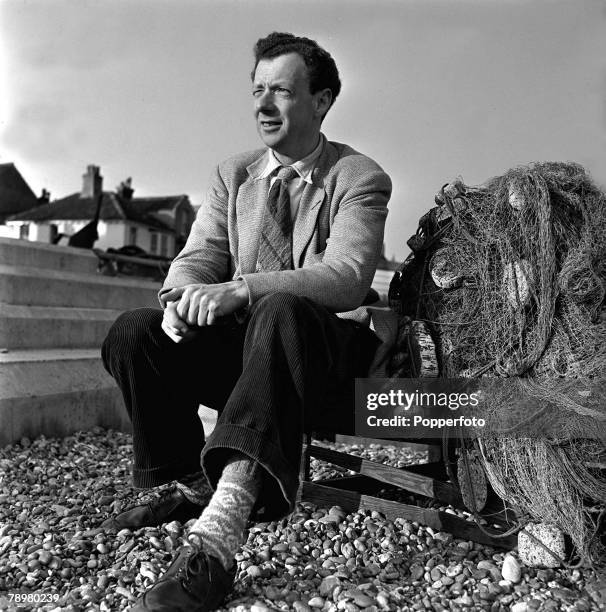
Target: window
54 233
153 245
24 231
132 235
164 245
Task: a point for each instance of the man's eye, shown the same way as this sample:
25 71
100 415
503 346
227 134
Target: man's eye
257 92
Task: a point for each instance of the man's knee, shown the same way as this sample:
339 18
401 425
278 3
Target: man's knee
131 331
280 307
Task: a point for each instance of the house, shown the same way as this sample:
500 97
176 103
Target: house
15 194
158 225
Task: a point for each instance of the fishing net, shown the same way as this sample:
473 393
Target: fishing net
509 279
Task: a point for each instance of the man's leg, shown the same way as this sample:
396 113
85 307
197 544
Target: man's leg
163 383
221 526
295 355
295 352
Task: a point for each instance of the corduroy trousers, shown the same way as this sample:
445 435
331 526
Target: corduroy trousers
289 368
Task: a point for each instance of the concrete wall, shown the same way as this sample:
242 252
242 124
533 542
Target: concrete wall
145 241
36 232
40 232
55 311
9 231
111 235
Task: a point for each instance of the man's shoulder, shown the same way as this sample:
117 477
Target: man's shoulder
345 155
241 161
349 165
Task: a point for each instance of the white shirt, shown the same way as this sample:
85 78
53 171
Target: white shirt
304 168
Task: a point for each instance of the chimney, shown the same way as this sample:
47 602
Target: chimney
44 197
92 182
125 189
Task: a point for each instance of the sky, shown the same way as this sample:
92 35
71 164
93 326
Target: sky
432 89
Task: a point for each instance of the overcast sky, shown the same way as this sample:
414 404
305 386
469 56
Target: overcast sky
160 90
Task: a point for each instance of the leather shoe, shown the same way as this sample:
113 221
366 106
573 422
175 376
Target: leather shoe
172 505
194 582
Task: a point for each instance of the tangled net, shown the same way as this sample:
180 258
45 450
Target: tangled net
510 281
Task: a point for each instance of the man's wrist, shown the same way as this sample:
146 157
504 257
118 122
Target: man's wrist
244 293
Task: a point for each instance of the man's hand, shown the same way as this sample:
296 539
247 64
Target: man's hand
176 329
203 304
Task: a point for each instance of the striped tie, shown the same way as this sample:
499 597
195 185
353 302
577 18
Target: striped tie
275 248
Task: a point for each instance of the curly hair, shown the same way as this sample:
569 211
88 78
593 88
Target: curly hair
321 67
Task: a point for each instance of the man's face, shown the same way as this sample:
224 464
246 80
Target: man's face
288 115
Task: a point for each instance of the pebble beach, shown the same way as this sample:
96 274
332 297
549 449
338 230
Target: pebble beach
54 493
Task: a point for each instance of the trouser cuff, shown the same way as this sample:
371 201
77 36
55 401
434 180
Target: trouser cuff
280 481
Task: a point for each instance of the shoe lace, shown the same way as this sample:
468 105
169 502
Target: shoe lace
166 492
196 562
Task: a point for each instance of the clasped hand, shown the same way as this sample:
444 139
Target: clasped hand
199 305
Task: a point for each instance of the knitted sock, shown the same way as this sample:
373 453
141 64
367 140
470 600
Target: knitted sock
220 530
195 487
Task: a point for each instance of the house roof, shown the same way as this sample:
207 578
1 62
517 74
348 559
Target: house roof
113 207
15 194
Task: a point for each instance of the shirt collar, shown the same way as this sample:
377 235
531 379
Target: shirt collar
304 167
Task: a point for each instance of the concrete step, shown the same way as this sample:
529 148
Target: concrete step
33 286
56 392
16 252
381 283
41 327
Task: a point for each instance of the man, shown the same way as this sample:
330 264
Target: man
287 236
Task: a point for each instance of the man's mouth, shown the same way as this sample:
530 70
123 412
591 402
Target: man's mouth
270 124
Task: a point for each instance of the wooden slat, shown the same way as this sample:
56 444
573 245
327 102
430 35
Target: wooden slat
356 483
494 512
434 452
352 501
399 477
433 470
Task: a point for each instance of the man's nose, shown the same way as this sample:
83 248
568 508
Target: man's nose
264 102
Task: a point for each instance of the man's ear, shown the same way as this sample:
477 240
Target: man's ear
323 100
